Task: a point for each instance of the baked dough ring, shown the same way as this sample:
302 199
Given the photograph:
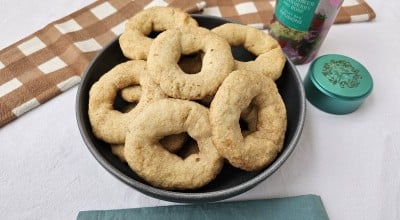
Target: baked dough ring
158 166
270 58
190 64
111 125
259 148
134 41
166 50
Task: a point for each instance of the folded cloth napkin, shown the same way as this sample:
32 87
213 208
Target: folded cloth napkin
51 60
306 207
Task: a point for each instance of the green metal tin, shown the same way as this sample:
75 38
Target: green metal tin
337 84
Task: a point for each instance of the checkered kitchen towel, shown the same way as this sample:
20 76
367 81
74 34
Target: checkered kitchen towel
51 60
258 13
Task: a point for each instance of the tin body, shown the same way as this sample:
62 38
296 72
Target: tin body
301 26
337 84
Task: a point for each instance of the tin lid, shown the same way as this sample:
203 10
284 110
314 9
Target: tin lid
337 84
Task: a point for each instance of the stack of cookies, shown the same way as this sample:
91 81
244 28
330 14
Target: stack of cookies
189 105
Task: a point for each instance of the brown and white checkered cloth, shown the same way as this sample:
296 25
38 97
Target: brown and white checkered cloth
258 13
51 60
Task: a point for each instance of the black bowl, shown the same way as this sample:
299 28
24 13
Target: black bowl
231 181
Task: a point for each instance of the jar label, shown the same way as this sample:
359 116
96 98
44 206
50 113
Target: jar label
296 14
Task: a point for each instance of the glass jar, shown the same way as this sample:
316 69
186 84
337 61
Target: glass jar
300 26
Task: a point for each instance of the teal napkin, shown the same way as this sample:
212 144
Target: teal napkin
308 207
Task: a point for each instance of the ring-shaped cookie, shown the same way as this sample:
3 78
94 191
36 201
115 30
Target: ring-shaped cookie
168 47
259 148
135 41
109 124
158 166
270 58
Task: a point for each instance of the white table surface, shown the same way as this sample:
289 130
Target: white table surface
351 161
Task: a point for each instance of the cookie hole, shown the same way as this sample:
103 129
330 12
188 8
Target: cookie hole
174 142
191 63
244 126
248 120
131 99
190 147
206 101
121 105
241 54
154 34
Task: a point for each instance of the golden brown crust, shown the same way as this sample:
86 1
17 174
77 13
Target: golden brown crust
131 93
134 41
158 166
107 123
165 53
259 148
172 143
270 58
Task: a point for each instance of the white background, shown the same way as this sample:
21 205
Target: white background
351 161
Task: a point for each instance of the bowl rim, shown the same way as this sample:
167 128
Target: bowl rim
188 197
